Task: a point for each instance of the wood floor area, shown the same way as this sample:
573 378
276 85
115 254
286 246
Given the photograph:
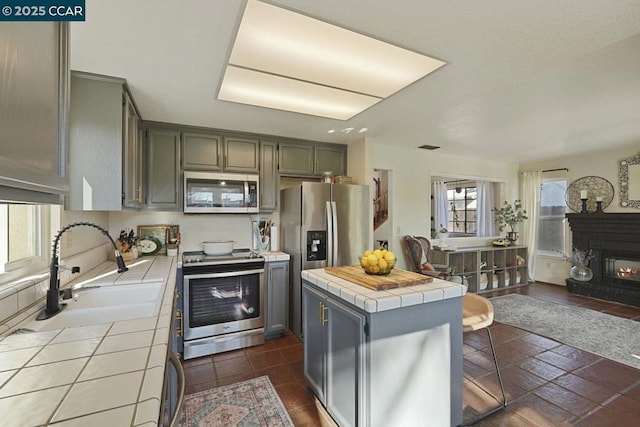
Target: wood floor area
547 383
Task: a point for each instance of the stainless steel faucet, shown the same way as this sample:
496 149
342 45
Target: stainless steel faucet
53 294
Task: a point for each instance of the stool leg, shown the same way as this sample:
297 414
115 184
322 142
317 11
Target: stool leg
495 361
503 404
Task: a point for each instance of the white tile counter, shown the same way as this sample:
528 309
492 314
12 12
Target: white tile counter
374 301
275 256
109 374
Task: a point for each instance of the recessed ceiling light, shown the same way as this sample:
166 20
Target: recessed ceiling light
363 130
315 56
332 131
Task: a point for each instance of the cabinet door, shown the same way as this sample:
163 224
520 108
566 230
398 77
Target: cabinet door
345 364
277 305
240 155
313 330
163 170
269 181
331 158
201 151
132 151
95 143
295 159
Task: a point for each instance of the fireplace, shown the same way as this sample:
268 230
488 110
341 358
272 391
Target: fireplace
614 240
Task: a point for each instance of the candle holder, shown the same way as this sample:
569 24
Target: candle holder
584 206
599 206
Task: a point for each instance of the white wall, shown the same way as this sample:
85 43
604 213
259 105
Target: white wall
412 170
602 163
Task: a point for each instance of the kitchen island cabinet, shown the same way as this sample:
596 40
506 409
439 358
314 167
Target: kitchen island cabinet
384 358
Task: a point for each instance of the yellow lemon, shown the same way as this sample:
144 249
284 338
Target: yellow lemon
374 269
378 253
389 256
367 252
363 261
382 264
372 259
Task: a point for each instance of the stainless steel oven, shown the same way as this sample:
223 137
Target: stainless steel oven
223 302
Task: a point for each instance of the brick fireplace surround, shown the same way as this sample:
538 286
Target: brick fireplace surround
614 239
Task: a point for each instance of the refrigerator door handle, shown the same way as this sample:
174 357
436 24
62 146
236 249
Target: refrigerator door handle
329 234
334 232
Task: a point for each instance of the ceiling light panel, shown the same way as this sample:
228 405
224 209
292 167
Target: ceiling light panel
286 43
271 91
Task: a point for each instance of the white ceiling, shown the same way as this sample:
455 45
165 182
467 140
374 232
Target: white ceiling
525 80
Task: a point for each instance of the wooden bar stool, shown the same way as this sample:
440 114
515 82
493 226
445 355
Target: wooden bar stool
477 313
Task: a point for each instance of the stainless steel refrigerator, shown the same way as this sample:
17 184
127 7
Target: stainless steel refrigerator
322 225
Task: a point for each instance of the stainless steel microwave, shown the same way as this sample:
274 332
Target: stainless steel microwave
211 192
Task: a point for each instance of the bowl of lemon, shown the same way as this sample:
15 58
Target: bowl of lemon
378 262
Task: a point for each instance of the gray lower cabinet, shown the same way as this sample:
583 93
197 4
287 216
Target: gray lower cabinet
276 320
400 367
163 170
269 178
334 358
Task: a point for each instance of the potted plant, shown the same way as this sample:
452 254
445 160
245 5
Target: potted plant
443 234
510 215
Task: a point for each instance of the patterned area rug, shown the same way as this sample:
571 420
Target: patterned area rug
245 404
607 336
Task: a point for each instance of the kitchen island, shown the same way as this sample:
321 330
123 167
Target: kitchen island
384 358
103 374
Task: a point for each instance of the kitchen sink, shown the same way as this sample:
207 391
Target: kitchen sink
113 303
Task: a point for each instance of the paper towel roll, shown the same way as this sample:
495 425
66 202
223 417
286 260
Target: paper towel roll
275 238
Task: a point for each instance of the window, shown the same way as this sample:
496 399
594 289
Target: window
463 210
23 241
551 224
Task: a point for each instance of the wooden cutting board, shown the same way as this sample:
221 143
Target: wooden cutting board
396 279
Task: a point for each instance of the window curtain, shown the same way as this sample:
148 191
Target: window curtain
441 215
485 202
530 199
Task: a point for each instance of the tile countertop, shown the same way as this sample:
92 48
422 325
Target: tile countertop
275 256
109 374
373 301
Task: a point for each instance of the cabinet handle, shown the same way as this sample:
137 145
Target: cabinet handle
180 320
323 314
139 194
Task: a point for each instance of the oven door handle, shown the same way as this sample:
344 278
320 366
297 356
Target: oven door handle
225 274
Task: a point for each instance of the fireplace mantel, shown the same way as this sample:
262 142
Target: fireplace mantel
605 234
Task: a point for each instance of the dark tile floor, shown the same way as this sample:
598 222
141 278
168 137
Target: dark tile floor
547 383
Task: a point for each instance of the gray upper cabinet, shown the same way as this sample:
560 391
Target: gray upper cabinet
34 79
269 178
132 191
295 159
102 117
163 170
201 151
331 158
213 152
312 159
241 155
